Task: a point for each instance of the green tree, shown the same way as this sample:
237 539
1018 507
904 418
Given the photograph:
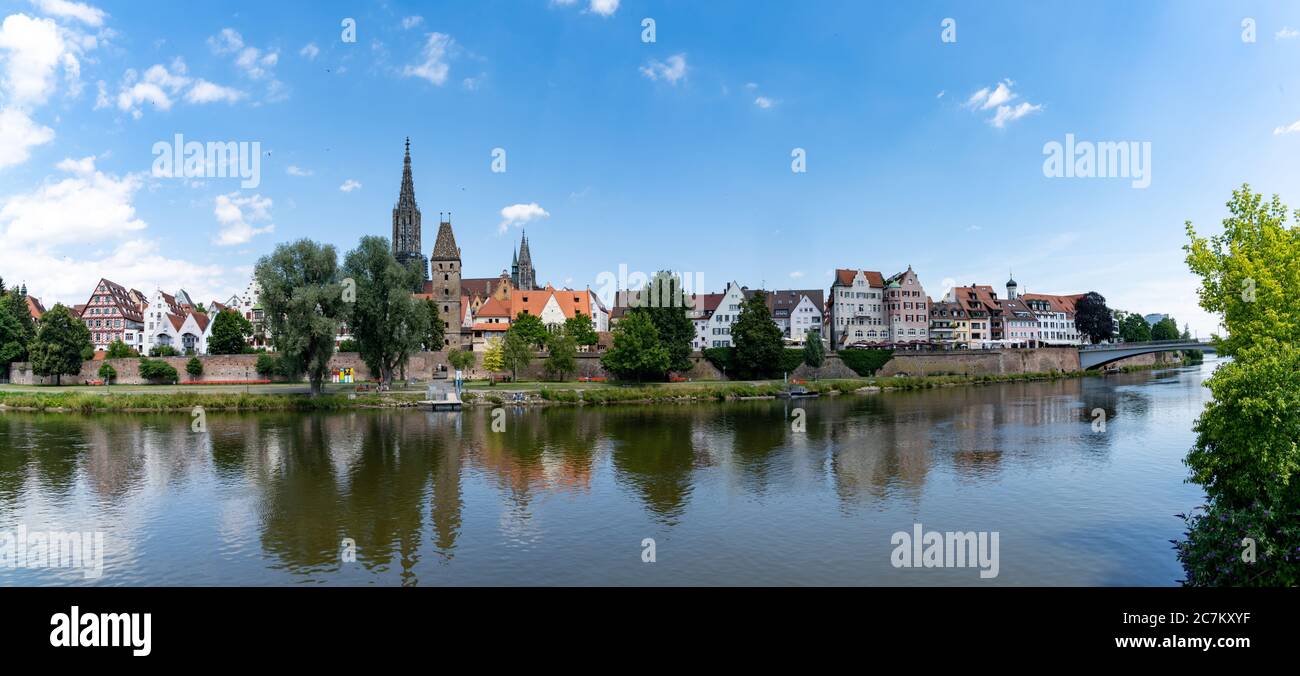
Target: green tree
494 359
107 373
757 339
666 302
580 328
1133 328
435 339
303 302
637 352
13 344
163 351
194 367
1250 272
15 301
1165 329
531 329
563 358
60 343
347 345
461 360
119 350
388 323
814 353
1246 454
230 333
1093 319
516 354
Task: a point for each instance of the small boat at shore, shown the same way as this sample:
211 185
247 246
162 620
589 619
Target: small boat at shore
797 392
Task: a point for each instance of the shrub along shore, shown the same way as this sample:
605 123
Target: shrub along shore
546 394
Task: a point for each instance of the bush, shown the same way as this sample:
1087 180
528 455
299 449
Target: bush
865 362
194 367
720 357
119 350
157 371
1217 552
107 372
266 365
163 351
348 345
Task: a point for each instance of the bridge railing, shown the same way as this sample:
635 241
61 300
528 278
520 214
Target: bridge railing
1145 343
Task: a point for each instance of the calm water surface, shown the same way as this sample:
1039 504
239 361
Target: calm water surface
730 493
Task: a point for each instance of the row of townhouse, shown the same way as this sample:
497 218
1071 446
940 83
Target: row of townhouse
864 308
794 311
974 316
114 313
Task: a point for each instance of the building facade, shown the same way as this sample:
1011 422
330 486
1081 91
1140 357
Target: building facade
857 308
113 313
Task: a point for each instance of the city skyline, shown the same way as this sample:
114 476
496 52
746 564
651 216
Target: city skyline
918 152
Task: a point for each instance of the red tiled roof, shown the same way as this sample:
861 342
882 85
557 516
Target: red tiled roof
845 277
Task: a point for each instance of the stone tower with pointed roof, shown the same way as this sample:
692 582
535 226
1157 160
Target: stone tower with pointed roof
406 222
522 274
444 288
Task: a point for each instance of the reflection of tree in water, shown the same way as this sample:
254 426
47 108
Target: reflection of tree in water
386 490
757 428
303 511
445 469
653 453
49 446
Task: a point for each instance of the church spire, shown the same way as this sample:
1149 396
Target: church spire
406 220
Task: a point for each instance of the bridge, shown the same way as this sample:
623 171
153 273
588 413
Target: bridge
1093 356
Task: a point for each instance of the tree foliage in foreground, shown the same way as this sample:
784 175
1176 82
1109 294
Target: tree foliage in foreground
1247 450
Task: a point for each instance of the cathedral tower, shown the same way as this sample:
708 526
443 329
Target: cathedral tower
525 277
406 222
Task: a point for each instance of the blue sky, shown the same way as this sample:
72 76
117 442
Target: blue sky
674 154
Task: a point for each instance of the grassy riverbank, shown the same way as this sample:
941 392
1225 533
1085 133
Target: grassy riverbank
87 400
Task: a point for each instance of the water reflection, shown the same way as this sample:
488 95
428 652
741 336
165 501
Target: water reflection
269 498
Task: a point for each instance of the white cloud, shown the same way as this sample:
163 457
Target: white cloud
157 87
1287 33
764 102
671 70
519 214
1007 114
411 22
137 263
433 67
1289 129
797 274
18 134
350 185
228 41
91 16
87 206
255 63
310 51
237 215
294 170
33 50
207 92
999 98
82 167
603 7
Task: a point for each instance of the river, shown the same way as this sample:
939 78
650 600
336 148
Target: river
765 492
